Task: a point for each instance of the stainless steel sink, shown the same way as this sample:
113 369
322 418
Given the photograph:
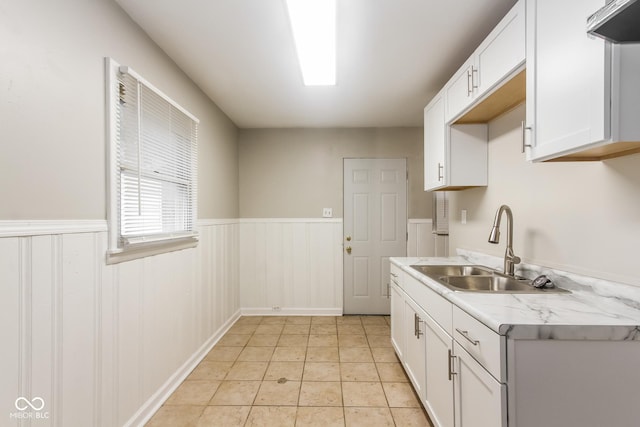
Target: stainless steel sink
495 283
453 270
476 278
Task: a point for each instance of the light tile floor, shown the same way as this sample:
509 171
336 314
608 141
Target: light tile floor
297 371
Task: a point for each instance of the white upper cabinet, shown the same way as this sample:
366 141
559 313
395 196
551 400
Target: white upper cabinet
455 136
455 157
459 90
434 143
501 53
583 93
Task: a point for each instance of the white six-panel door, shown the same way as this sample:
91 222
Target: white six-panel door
375 229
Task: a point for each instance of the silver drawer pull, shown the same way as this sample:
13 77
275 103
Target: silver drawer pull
465 334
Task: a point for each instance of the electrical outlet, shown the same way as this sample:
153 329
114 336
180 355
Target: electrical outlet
327 213
463 216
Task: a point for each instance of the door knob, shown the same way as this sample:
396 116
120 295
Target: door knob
348 238
348 249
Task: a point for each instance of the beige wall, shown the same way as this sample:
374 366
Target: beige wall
52 110
582 217
294 173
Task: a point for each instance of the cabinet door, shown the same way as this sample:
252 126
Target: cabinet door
568 86
397 320
502 52
438 396
434 144
414 352
480 400
459 90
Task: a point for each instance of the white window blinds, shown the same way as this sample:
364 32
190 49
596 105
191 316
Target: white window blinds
155 163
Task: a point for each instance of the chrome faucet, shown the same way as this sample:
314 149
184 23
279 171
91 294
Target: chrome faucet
510 260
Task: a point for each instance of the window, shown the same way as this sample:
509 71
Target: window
152 168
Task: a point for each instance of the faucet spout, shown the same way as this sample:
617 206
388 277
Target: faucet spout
510 259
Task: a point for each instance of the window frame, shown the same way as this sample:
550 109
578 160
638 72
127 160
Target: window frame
121 248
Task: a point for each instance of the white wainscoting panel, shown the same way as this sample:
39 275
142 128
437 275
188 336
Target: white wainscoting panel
104 345
291 266
422 242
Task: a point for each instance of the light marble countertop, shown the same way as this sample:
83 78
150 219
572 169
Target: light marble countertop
594 310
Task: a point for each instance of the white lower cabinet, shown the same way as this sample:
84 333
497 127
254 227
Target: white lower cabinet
467 375
480 400
397 319
414 353
438 398
455 389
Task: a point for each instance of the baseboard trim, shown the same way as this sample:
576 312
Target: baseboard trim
154 403
284 311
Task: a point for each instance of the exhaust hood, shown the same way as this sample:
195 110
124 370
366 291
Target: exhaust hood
617 22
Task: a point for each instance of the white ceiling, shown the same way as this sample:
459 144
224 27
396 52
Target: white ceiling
393 56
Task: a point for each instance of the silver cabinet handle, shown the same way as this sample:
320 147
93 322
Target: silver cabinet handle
418 331
471 85
465 334
415 325
440 171
451 357
474 72
394 275
524 129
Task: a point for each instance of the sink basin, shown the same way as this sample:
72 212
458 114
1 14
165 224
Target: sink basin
452 270
495 283
476 278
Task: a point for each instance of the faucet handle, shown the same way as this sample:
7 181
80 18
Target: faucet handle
515 259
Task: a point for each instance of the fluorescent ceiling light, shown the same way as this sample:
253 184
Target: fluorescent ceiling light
313 23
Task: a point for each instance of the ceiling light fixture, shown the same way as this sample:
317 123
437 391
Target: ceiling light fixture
313 23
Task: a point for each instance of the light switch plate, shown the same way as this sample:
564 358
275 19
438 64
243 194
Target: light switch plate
327 213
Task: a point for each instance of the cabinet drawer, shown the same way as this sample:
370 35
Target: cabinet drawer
482 343
436 306
397 275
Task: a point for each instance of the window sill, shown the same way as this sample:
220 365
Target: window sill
150 249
